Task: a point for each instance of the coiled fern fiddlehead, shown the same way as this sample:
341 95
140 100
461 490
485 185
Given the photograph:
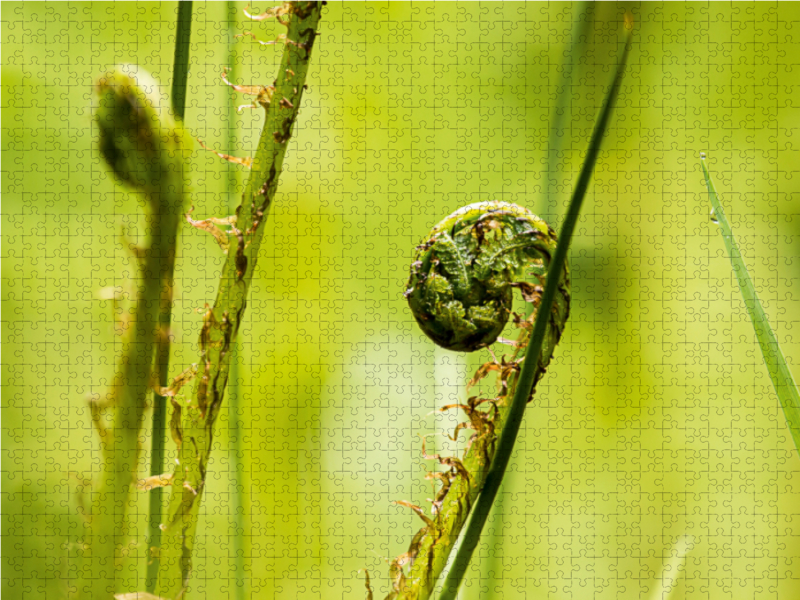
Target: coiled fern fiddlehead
456 315
464 273
460 292
147 150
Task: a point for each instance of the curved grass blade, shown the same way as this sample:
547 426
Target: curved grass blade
508 436
779 372
581 26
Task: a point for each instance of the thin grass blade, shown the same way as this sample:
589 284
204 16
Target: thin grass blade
580 30
236 453
180 73
508 436
779 372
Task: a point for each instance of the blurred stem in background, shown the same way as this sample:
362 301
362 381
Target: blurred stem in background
581 28
235 399
146 149
180 73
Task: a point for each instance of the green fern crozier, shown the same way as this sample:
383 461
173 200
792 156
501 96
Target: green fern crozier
464 273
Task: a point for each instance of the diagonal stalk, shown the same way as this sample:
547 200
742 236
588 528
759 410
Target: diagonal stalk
192 422
580 29
525 382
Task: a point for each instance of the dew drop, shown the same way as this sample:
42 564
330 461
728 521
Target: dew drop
702 156
713 216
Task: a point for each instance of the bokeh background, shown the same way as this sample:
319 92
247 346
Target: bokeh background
654 461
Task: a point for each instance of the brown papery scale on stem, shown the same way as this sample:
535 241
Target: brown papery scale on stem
460 291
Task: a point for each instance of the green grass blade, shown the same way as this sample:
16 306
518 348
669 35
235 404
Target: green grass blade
508 436
236 453
779 372
580 31
180 73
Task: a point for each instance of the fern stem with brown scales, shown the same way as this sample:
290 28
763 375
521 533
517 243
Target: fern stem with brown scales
193 424
455 254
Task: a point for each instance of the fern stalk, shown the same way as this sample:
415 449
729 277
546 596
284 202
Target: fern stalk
193 422
495 224
477 476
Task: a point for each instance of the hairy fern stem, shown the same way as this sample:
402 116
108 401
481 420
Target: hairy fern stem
464 317
192 422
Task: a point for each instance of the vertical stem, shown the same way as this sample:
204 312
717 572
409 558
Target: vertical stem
508 436
166 277
237 481
121 450
180 71
555 139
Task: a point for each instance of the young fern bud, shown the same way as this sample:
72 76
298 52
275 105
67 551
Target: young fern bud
461 293
462 278
139 138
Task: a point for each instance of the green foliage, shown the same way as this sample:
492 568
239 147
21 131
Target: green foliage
650 408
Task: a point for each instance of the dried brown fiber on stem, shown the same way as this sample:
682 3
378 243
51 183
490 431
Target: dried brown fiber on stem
193 422
459 291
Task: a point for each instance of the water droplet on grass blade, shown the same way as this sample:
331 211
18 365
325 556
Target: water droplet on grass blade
713 216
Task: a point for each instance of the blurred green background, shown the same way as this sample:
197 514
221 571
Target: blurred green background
654 461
